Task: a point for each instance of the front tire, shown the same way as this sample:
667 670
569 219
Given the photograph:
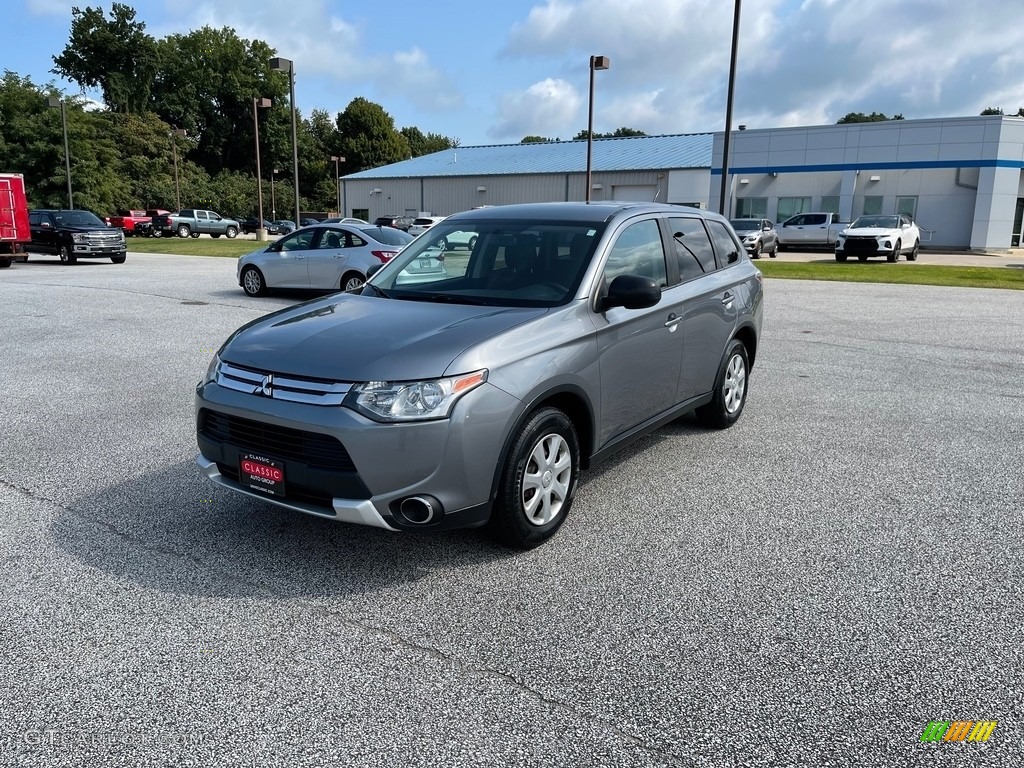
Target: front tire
119 259
894 255
730 389
5 263
912 256
841 258
756 254
538 481
252 282
66 256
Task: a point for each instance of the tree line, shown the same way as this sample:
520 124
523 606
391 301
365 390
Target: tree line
202 84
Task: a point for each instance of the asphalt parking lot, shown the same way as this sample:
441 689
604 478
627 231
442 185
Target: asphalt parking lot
808 588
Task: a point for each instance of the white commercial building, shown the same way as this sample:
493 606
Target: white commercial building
961 178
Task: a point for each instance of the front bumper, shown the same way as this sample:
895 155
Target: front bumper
367 468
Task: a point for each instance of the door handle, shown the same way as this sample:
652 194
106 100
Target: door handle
727 299
673 319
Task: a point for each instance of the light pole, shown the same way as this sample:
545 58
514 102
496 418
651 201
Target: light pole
596 62
728 107
273 199
337 178
285 65
54 102
257 102
174 154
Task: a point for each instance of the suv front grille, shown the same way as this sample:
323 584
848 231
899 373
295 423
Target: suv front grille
311 448
291 388
861 245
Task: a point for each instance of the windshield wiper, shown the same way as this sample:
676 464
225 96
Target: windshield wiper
378 290
446 298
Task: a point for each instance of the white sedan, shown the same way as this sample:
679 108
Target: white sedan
322 256
887 236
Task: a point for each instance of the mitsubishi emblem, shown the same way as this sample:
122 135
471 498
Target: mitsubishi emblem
266 387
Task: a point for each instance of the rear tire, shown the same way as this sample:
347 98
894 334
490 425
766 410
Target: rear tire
215 235
184 230
538 481
252 282
350 281
730 389
5 263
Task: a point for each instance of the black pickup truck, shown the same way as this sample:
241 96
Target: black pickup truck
75 235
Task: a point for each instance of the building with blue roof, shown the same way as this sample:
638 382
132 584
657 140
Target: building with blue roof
960 178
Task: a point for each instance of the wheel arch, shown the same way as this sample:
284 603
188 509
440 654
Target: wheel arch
748 337
574 403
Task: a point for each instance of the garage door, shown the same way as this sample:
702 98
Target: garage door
642 192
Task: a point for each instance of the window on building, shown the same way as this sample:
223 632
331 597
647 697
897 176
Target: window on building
830 204
361 213
791 206
872 205
907 205
751 207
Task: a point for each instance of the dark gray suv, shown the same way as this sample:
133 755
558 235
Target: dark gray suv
477 394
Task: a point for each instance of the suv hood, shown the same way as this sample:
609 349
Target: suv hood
349 337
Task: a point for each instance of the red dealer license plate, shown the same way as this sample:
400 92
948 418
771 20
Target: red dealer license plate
261 474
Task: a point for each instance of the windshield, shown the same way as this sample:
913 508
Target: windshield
880 222
78 219
745 225
495 263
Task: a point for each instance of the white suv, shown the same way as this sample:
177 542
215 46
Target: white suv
423 223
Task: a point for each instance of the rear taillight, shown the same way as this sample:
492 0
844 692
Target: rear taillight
384 256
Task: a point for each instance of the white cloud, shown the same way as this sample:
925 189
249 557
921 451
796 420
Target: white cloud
547 108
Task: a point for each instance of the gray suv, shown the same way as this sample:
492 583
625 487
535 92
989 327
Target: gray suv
476 395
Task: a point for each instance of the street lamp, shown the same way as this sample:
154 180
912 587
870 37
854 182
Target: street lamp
728 106
261 103
174 154
285 65
273 199
337 177
54 102
596 62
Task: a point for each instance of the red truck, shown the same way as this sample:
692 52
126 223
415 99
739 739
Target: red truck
127 220
14 229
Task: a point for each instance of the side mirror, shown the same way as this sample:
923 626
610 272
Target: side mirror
373 270
631 292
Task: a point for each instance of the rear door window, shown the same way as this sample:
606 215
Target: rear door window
726 248
694 253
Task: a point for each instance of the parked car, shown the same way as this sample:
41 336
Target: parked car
758 236
887 236
324 256
397 222
308 222
195 222
74 235
423 223
810 230
284 226
347 220
251 224
479 396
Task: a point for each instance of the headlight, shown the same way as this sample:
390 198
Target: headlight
78 237
412 400
211 371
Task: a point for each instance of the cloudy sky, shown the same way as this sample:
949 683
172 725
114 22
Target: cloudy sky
494 71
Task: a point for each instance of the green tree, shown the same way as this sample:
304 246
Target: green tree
541 139
860 117
420 144
618 133
368 136
992 111
115 55
206 83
